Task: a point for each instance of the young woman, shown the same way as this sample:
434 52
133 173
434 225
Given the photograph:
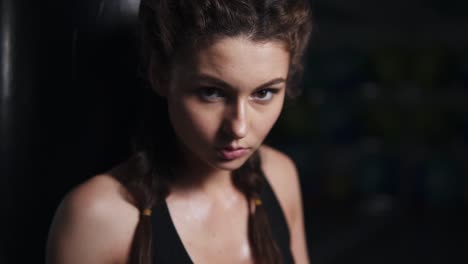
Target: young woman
200 187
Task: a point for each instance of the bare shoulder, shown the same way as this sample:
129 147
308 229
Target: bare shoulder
282 175
93 224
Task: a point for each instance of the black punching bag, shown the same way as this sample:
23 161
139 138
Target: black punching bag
19 81
68 83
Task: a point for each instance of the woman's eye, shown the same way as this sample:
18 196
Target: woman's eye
264 94
210 94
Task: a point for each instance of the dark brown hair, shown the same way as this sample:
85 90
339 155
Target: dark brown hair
171 28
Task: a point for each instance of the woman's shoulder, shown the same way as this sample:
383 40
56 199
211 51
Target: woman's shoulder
274 159
282 175
101 196
94 223
279 168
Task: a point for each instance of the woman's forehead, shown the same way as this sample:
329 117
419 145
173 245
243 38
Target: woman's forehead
231 49
234 58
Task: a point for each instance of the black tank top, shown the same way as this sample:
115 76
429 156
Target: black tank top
168 247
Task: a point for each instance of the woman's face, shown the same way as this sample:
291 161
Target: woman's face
223 103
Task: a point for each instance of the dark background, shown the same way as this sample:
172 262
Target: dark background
379 135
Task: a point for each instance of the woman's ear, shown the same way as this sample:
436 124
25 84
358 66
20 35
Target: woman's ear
158 78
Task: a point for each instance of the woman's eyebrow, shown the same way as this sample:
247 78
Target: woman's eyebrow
222 84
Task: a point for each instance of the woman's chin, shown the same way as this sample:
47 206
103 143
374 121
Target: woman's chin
229 165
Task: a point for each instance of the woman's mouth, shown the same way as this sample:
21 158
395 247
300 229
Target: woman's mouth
230 153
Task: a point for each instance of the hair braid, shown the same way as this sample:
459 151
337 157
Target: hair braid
249 179
147 177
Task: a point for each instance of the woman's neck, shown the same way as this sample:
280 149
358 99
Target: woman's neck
213 183
197 176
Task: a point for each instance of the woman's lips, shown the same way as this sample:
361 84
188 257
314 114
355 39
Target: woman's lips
229 153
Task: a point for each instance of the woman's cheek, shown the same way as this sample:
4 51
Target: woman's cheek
196 120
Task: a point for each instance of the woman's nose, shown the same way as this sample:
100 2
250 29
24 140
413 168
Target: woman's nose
236 121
